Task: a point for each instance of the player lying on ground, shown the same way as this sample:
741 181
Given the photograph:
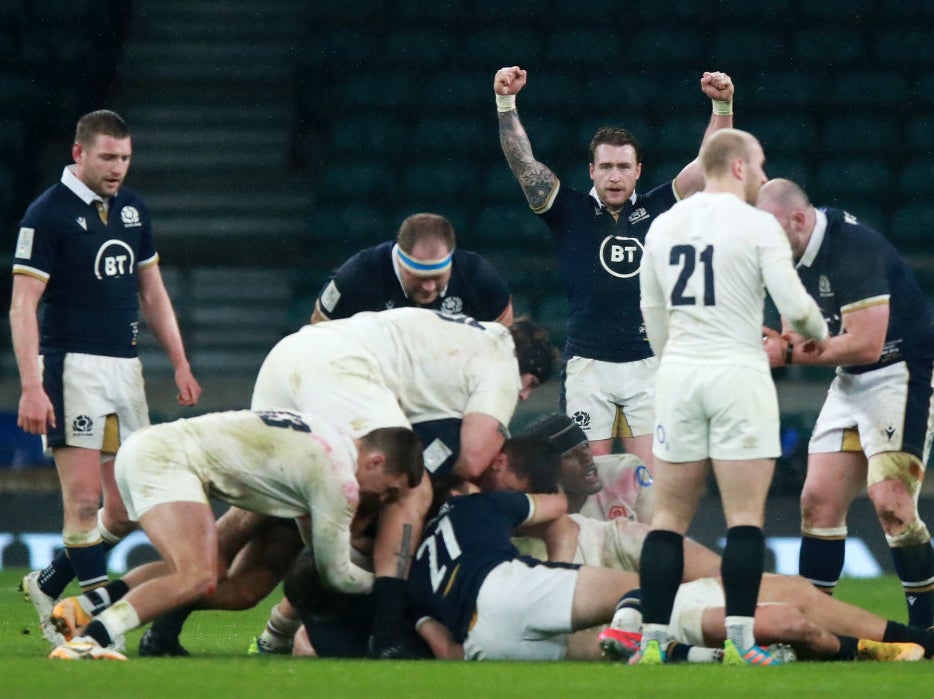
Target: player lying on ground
277 463
610 500
790 611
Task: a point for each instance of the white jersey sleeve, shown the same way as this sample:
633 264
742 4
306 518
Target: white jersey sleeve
332 510
787 291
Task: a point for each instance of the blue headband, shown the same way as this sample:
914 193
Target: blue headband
423 267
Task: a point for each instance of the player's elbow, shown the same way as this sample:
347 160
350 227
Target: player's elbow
870 351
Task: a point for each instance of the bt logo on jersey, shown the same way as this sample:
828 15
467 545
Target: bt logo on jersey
114 259
621 256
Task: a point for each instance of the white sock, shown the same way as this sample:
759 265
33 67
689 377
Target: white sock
119 618
654 632
739 629
279 628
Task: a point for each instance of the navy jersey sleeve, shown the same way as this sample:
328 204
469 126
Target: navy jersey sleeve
859 272
36 244
357 285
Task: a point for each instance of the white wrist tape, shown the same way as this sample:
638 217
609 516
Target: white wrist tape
505 103
722 107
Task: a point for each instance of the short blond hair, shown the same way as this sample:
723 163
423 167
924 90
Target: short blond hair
722 148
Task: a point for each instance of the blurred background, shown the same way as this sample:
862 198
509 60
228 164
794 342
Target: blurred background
272 140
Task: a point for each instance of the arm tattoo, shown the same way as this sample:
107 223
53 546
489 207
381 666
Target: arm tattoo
404 555
536 180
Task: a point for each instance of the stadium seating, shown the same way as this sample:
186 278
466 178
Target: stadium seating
383 108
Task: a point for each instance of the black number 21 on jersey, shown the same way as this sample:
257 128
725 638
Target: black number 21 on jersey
687 258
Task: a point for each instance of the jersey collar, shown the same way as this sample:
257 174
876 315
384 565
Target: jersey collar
81 190
817 237
596 198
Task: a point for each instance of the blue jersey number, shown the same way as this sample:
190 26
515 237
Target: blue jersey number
686 257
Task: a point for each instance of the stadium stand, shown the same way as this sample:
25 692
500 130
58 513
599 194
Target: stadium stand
279 138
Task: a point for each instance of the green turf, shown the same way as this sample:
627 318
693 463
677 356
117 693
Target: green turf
221 668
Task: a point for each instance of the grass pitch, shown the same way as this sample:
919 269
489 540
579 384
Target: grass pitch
220 667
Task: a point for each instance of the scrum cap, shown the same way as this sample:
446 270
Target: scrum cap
558 429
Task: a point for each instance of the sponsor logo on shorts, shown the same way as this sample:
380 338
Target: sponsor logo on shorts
82 426
643 476
582 418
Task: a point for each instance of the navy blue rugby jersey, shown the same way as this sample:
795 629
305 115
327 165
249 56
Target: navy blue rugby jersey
367 281
853 267
90 303
600 259
469 538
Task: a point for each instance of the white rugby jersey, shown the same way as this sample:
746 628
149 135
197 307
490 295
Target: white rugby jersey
627 490
708 261
439 366
281 464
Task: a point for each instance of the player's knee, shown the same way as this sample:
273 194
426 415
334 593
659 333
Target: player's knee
243 595
198 582
895 474
83 508
915 532
793 627
819 508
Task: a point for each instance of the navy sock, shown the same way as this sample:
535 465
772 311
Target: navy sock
115 590
900 633
56 576
741 569
849 648
915 567
821 561
661 567
98 632
168 626
90 565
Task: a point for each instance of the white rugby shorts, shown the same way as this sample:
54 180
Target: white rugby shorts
152 469
523 613
878 405
94 387
721 411
687 616
611 399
